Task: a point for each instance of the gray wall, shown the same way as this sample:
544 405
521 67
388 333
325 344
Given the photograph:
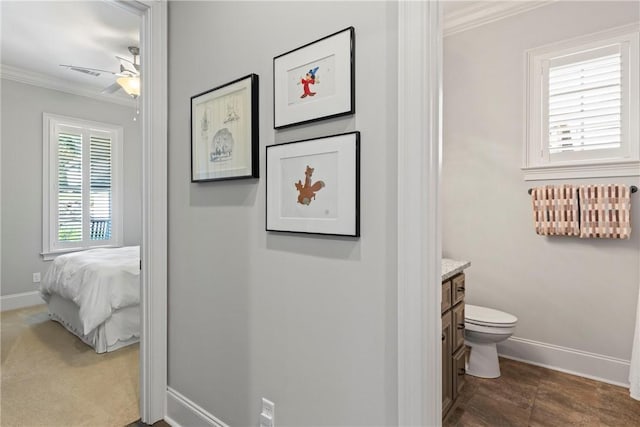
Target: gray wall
22 108
308 322
571 292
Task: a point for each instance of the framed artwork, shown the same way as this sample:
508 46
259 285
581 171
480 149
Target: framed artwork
313 186
224 131
315 81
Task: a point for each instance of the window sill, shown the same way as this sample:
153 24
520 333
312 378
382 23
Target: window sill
582 170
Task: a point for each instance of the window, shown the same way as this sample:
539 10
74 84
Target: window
583 107
81 185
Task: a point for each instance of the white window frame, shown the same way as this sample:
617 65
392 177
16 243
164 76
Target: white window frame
537 163
51 247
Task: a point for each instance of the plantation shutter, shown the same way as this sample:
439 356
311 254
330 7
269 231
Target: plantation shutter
69 187
585 101
100 187
82 182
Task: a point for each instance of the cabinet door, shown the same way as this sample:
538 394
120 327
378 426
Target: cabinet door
457 288
459 360
447 366
458 326
446 296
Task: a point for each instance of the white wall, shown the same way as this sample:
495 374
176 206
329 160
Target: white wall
568 292
22 108
308 322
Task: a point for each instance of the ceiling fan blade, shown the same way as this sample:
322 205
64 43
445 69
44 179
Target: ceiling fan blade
125 60
128 66
111 89
86 70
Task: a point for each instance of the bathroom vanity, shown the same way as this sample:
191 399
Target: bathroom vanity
453 348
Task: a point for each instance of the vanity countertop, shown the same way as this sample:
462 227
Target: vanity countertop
451 267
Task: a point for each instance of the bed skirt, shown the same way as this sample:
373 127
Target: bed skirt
120 330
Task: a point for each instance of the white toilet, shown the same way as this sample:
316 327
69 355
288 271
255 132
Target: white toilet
484 327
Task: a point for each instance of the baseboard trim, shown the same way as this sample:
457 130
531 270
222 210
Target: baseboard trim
576 362
181 411
15 301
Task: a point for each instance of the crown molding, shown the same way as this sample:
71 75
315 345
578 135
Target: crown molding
485 12
21 75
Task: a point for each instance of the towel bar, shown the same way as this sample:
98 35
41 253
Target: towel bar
634 189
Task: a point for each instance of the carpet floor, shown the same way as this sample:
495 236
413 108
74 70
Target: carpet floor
51 378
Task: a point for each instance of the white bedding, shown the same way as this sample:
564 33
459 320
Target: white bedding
99 281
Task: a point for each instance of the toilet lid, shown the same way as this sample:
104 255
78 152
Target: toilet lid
488 316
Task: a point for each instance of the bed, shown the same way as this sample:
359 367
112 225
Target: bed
95 294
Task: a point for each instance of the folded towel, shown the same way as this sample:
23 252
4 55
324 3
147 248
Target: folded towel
555 210
605 211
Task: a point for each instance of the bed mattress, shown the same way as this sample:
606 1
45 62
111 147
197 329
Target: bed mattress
99 281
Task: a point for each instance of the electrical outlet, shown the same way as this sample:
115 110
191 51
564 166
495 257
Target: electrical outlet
36 277
268 408
266 421
268 414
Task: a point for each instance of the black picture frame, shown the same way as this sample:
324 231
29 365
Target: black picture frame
224 131
329 201
329 65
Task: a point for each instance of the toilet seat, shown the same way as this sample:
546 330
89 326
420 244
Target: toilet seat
488 317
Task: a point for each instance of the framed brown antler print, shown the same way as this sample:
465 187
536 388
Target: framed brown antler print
313 186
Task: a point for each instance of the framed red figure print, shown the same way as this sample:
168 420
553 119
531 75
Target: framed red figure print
315 81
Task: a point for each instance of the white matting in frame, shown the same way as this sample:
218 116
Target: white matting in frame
224 131
313 186
315 81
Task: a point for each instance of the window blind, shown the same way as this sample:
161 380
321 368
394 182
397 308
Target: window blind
585 104
82 183
69 187
100 188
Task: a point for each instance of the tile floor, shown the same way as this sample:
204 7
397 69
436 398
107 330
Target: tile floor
527 395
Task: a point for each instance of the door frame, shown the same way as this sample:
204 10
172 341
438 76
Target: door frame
153 250
419 222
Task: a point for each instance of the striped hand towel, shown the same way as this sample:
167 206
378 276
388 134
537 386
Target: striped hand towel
605 211
555 210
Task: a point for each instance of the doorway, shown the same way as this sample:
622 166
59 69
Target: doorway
153 18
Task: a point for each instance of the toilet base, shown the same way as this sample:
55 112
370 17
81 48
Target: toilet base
483 360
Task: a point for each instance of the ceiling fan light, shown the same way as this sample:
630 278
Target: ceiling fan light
131 85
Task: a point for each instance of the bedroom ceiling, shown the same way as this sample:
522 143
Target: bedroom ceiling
38 36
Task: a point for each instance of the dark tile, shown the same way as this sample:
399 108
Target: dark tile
556 405
469 390
527 395
521 372
482 410
459 418
508 390
615 407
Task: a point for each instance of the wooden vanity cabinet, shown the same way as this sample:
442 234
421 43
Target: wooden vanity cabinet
453 348
458 362
446 296
447 383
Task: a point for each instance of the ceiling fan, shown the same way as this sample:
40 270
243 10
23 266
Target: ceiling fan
128 76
